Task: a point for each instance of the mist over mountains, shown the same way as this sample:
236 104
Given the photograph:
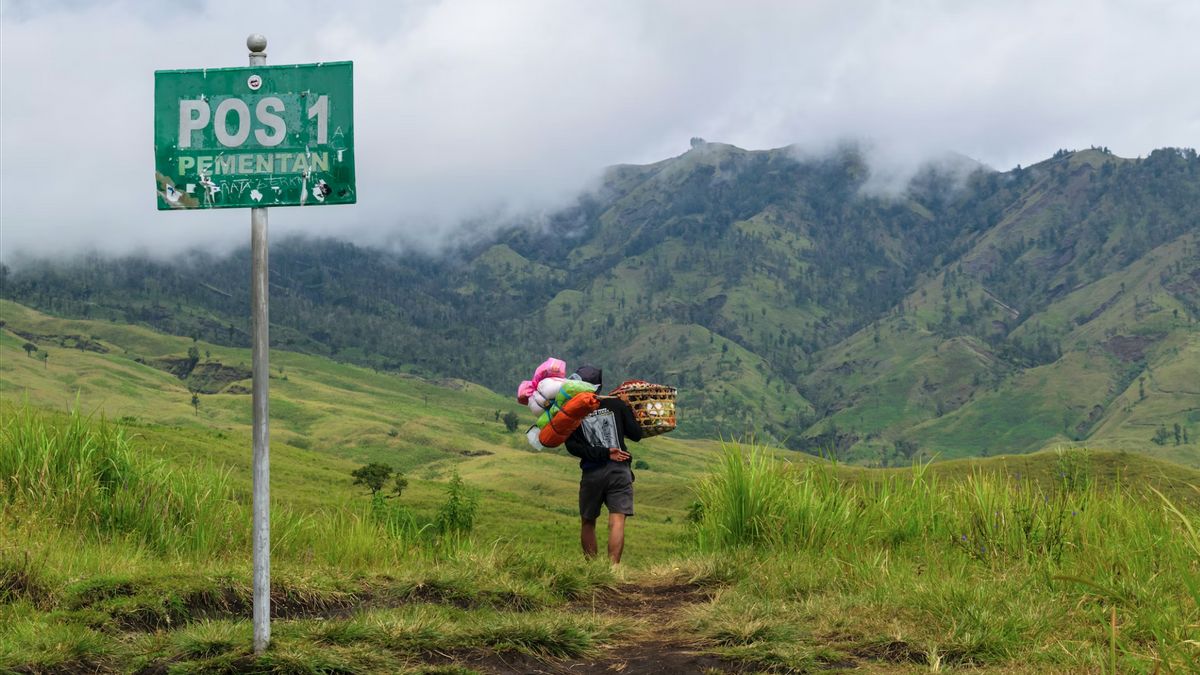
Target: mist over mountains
954 311
469 109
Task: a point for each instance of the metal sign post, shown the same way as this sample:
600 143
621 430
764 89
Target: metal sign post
252 138
262 376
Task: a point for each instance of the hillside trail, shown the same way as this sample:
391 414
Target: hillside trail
656 643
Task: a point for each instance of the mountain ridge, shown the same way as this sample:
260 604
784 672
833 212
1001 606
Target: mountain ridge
770 288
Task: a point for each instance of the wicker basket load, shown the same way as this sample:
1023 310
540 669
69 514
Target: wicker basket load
653 405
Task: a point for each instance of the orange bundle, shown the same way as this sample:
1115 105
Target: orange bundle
566 421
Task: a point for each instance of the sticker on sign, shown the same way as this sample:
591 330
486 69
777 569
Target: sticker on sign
254 137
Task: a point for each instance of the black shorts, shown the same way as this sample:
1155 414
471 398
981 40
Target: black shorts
611 485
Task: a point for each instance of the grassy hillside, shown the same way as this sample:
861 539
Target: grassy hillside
124 545
326 419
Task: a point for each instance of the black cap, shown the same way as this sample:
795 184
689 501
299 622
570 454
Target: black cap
591 375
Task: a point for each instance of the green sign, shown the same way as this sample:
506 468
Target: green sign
253 137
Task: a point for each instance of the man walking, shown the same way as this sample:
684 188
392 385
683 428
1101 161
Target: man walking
607 479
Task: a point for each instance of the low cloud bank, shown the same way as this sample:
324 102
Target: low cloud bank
468 110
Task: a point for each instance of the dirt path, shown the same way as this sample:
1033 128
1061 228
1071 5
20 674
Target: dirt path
657 646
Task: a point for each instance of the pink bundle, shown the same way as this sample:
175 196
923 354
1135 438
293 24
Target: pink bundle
552 367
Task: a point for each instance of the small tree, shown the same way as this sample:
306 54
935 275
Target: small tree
1161 435
373 476
45 357
196 402
29 348
905 448
400 484
511 421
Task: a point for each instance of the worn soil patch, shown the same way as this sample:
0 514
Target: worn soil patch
895 651
205 377
172 610
80 342
641 658
1130 348
656 648
652 603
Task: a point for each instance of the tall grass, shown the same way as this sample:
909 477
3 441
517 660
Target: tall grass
84 474
1094 550
87 475
753 499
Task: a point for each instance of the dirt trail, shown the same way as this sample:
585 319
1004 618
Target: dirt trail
658 646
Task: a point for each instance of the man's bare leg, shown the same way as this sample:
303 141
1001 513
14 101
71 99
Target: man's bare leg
587 537
616 536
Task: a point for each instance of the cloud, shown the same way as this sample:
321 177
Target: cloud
471 109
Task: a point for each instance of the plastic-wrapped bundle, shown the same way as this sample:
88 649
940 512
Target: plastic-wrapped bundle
551 367
547 415
532 436
567 390
572 388
538 403
550 387
567 419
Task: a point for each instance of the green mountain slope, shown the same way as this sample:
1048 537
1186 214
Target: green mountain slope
978 312
1046 331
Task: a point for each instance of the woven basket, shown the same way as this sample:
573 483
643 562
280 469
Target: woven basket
653 405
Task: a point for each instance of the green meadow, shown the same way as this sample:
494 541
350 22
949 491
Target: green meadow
125 547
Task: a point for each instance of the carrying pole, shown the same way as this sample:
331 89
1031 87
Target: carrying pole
257 44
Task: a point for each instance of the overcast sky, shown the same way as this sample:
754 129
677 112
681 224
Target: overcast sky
470 107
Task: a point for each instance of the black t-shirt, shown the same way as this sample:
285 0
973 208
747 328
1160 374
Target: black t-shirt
607 427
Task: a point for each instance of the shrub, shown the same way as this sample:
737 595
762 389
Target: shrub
457 514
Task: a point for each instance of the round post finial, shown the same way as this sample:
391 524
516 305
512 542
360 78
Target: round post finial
256 42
